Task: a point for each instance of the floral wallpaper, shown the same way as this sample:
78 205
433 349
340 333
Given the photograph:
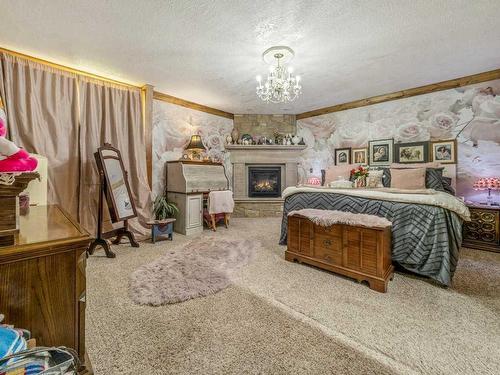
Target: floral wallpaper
470 114
173 126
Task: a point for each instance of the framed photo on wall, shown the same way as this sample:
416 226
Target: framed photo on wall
381 151
342 156
444 151
415 152
359 155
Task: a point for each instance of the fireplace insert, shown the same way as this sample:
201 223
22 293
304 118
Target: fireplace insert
264 182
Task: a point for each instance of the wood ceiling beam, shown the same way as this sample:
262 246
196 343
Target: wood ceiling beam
184 103
445 85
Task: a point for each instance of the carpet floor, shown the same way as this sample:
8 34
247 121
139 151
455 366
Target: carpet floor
285 318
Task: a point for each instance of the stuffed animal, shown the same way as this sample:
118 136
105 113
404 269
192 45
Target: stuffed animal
12 158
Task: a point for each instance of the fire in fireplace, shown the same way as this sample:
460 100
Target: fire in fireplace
264 182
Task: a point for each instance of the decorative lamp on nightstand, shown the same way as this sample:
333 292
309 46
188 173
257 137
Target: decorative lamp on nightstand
487 184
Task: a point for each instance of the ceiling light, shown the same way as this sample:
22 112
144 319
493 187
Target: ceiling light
281 85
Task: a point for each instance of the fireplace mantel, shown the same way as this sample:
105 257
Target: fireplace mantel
267 147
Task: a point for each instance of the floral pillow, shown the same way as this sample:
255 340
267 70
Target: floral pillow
374 179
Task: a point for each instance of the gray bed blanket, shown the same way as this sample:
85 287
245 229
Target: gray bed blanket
425 239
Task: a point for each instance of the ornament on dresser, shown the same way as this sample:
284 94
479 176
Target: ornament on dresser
229 140
296 139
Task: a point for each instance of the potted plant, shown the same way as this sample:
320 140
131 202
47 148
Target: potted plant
163 209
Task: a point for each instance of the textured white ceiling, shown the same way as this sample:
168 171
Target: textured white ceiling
210 51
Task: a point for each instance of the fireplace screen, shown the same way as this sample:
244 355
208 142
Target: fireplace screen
264 182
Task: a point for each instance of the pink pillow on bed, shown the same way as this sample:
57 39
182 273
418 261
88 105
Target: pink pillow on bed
416 165
335 171
408 178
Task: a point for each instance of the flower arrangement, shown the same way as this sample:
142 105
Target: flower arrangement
359 172
359 175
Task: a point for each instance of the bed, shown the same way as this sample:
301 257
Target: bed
426 226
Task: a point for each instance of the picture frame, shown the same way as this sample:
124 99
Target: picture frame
342 156
381 152
118 194
444 152
411 153
359 155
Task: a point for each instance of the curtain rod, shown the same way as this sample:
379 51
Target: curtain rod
67 68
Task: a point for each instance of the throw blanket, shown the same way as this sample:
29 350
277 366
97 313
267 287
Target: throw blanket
425 196
325 218
426 237
220 202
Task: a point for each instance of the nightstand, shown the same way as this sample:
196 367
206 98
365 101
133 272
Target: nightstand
483 231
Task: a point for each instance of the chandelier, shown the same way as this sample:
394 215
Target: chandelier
280 86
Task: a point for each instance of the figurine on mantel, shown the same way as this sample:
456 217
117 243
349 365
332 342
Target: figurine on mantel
12 158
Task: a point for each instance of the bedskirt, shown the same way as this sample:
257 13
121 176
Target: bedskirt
425 239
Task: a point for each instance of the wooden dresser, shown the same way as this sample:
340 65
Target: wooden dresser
483 231
42 279
354 251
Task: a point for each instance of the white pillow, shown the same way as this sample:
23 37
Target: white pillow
374 179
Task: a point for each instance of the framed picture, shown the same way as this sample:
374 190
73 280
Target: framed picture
444 151
342 156
381 151
359 155
415 152
118 194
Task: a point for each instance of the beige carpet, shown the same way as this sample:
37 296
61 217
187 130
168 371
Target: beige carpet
286 318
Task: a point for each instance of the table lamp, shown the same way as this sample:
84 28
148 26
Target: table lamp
196 146
489 184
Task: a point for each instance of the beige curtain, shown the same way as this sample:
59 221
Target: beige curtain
42 116
66 117
112 114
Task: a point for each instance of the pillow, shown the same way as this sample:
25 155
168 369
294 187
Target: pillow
335 171
415 165
374 179
433 177
447 185
413 178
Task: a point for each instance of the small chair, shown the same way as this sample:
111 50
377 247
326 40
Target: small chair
220 205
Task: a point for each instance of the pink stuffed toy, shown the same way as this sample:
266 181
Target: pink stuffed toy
12 158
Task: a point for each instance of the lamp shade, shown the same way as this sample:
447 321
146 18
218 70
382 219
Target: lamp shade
487 184
195 143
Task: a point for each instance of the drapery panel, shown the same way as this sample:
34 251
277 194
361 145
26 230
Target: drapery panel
112 114
42 116
66 117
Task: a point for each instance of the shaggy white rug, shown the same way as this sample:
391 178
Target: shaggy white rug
197 269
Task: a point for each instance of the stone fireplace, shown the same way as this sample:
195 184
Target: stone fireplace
260 174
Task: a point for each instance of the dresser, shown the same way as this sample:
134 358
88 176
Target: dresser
42 279
483 231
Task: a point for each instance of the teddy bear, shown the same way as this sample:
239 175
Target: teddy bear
12 158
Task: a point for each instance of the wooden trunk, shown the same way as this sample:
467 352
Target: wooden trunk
42 279
354 251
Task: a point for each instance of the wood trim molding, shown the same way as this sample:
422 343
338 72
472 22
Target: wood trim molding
184 103
147 121
66 68
445 85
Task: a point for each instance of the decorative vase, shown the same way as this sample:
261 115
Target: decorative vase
229 139
295 139
360 182
235 135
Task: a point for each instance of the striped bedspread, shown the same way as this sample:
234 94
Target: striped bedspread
425 238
